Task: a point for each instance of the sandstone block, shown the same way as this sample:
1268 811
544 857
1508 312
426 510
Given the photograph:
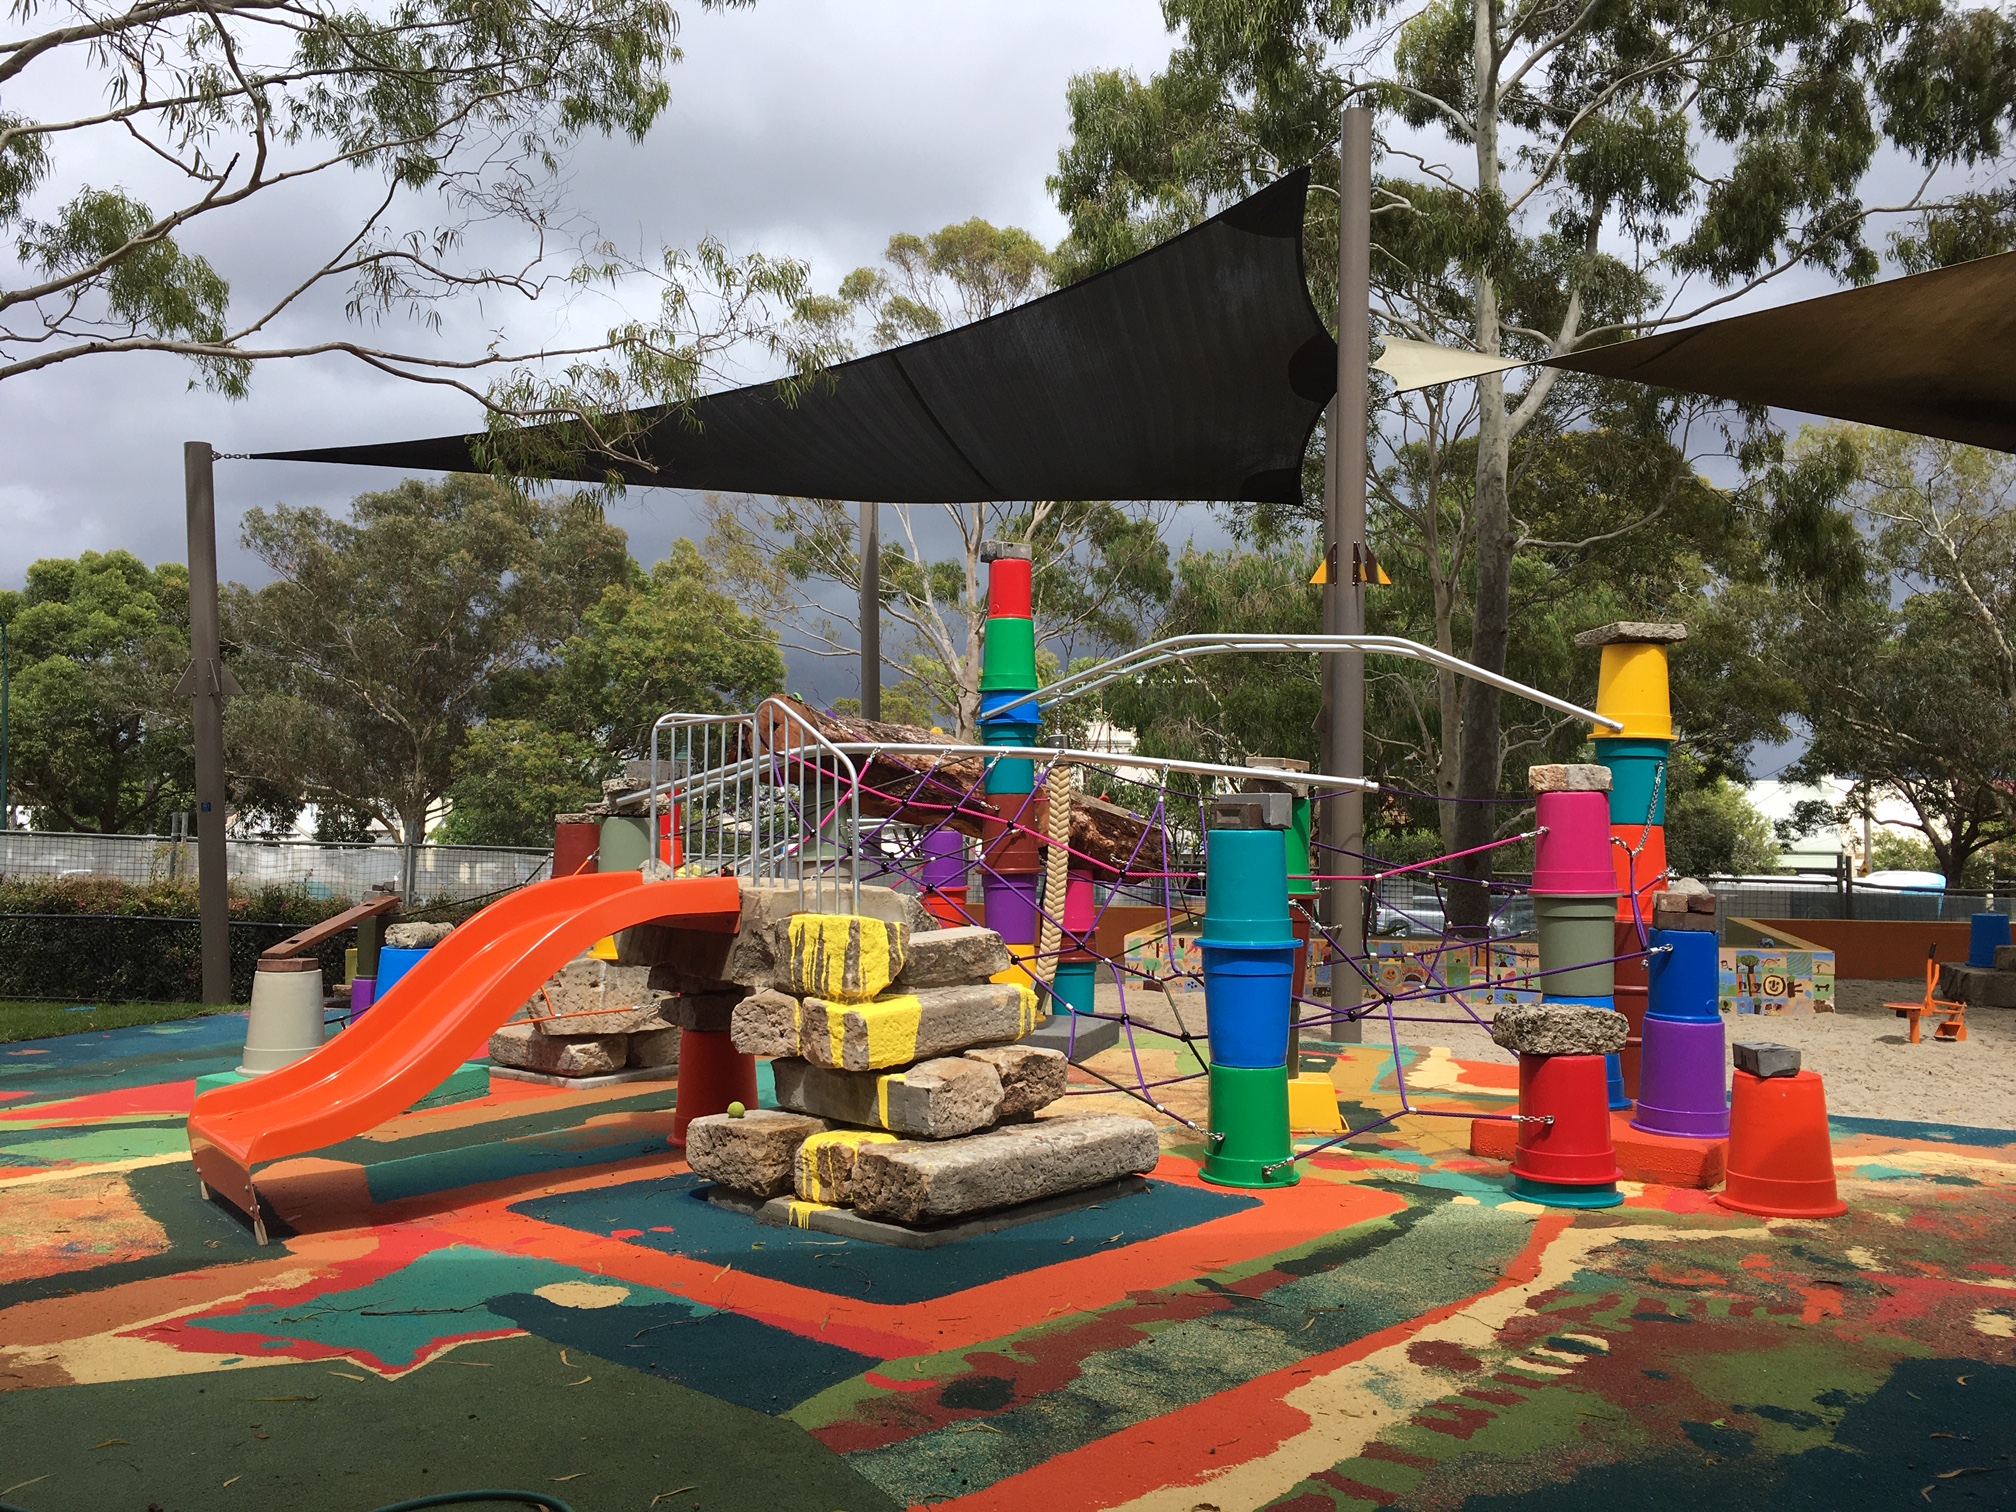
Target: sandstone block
1559 1029
646 1018
895 1031
419 934
659 1048
766 1023
952 957
1031 1077
2005 957
757 953
586 988
523 1046
824 1168
910 1182
753 1153
710 1011
934 1099
844 958
1568 777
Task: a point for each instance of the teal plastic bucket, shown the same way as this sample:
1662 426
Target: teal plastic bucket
1635 785
1073 987
1246 887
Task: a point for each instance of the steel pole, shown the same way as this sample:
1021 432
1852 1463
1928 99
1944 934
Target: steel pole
6 677
206 681
871 611
1344 513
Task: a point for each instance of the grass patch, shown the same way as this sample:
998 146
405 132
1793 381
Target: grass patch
28 1020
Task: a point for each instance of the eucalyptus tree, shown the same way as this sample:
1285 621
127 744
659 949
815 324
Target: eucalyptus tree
227 180
1554 173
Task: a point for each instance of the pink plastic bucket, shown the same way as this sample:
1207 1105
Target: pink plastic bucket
1573 852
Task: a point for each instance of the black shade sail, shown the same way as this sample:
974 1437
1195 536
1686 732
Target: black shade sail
1934 353
1194 371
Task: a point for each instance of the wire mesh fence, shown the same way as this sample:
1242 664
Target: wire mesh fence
438 871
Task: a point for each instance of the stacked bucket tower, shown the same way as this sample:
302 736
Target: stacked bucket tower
1249 950
1013 836
1575 895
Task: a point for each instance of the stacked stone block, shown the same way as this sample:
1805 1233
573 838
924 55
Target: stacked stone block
903 1093
594 1018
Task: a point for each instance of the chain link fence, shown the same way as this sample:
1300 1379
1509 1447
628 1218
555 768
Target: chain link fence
439 872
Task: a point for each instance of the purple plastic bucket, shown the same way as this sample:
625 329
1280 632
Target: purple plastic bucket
1011 907
1680 1079
944 859
363 991
1573 853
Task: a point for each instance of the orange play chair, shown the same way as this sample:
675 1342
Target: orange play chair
1952 1017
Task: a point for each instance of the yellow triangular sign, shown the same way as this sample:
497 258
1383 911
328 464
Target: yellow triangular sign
1322 572
1365 566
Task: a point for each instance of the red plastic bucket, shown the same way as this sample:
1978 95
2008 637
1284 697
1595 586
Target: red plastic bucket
1781 1160
1576 1149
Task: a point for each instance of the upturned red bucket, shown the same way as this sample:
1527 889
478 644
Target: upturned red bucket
1781 1160
1576 1148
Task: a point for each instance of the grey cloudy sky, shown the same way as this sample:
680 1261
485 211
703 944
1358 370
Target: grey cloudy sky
808 128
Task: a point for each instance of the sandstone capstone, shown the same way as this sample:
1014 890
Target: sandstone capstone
1560 1029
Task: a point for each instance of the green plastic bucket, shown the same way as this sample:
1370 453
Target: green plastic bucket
1579 934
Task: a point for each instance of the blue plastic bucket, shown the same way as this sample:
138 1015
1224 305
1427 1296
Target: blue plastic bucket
1684 980
1021 726
1249 993
1985 931
393 963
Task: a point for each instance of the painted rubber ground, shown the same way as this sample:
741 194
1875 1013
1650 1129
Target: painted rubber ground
526 1291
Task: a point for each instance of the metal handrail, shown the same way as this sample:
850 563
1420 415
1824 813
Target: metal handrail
1102 758
1180 648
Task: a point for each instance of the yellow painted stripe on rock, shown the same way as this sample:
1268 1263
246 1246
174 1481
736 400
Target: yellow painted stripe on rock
801 1212
1028 1012
888 1030
882 1097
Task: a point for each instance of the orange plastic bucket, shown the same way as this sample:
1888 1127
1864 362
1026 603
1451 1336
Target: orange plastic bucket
1781 1161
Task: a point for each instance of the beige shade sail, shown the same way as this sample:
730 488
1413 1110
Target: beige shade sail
1422 364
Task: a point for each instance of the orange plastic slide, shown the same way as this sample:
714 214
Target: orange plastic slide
440 1014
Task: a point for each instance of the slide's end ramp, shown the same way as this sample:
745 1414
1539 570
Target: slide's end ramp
440 1014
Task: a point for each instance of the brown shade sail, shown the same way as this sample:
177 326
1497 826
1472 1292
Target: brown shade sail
1934 353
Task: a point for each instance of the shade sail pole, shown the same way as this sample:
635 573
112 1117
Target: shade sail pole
1344 518
871 611
205 683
